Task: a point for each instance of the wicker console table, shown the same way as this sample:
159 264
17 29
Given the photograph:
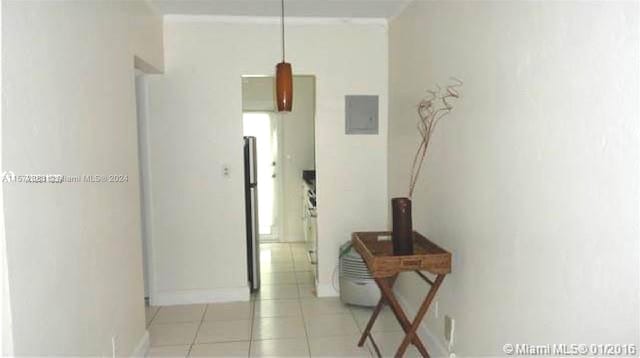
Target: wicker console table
377 251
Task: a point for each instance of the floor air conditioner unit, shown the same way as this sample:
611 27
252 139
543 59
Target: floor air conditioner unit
357 286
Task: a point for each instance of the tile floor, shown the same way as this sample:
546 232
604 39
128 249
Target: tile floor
284 319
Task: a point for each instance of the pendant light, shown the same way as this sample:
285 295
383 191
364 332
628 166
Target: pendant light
284 79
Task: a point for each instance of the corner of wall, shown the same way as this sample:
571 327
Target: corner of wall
142 348
6 328
400 11
147 37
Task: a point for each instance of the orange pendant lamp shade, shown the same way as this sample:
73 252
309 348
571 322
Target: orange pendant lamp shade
284 87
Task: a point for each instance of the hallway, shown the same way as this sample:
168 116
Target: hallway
284 319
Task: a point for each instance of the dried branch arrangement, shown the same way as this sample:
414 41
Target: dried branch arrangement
431 109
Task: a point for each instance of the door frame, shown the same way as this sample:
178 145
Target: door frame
144 181
277 118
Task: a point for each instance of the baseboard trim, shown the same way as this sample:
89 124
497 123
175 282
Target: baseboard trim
434 345
186 297
142 348
326 290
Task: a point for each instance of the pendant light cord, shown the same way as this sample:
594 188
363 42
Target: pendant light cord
282 3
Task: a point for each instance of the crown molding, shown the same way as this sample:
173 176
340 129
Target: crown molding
274 20
401 10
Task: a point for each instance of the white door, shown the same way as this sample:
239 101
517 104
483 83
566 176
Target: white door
276 181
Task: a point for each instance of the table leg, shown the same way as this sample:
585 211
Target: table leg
373 318
375 314
411 334
367 332
388 295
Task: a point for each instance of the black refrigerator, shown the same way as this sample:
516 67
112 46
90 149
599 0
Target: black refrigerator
251 211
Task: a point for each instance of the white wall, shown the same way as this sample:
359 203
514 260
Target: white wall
6 326
258 94
196 128
532 181
74 250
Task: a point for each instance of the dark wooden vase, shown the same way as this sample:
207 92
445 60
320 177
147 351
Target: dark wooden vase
402 234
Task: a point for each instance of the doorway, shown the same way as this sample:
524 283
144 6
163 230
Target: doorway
264 127
285 143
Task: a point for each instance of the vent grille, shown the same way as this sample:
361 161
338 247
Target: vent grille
352 266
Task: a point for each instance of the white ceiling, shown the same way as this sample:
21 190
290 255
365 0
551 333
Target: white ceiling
293 8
